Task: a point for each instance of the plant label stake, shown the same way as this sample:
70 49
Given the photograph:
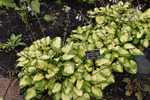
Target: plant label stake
92 55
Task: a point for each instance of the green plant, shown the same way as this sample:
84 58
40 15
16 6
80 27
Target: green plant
1 98
45 60
48 18
133 86
11 74
113 34
34 5
88 1
58 2
13 42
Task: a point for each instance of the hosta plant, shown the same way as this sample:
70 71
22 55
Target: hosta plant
61 71
114 35
128 24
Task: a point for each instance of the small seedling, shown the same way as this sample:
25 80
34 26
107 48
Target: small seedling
66 8
133 86
57 14
13 42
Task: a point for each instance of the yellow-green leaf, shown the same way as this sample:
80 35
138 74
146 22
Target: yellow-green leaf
100 19
79 84
38 77
44 57
136 51
67 57
123 51
77 91
99 44
97 92
67 48
30 93
124 38
56 43
56 88
68 68
65 96
79 30
101 61
129 46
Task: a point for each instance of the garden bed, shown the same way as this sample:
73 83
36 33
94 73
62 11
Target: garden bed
62 25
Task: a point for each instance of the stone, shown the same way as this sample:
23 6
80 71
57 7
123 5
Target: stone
4 84
142 63
13 91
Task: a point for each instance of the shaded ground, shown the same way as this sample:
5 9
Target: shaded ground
62 24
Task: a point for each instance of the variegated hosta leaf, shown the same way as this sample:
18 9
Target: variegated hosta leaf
101 33
110 79
31 92
56 43
24 81
48 40
68 68
106 71
79 84
136 51
67 48
22 58
40 85
123 51
117 67
38 77
129 46
44 57
124 38
100 19
68 89
101 61
72 79
78 36
77 91
32 47
31 69
99 44
145 42
133 67
56 88
65 96
42 64
103 85
57 96
87 76
50 74
31 53
78 30
97 92
95 37
67 57
81 50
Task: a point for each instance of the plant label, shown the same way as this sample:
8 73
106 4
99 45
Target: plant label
23 0
92 54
